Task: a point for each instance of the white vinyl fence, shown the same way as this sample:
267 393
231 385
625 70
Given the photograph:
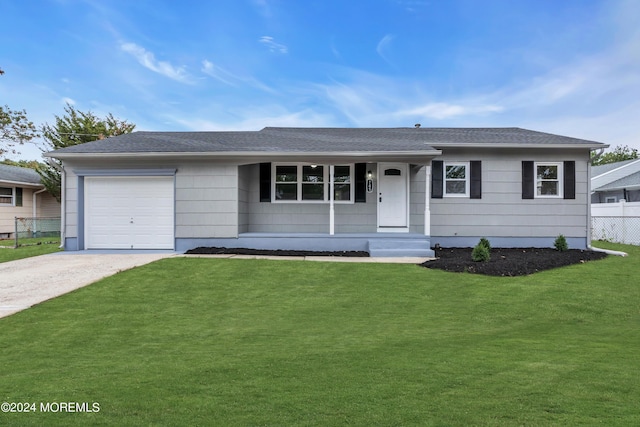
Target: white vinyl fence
616 222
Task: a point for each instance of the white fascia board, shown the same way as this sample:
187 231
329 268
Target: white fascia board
240 154
20 184
503 145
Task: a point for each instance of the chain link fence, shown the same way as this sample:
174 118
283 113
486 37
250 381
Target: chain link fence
36 231
616 229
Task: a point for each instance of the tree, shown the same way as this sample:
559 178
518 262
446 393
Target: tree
31 164
15 128
73 128
619 154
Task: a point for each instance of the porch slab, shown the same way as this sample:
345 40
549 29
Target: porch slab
369 260
377 244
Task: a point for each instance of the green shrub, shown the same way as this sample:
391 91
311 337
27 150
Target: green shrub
561 243
484 242
480 253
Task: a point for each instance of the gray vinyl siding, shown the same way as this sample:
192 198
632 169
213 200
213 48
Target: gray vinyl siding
417 183
501 212
71 203
601 196
244 177
206 200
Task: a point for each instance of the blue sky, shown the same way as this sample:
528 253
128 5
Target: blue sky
570 67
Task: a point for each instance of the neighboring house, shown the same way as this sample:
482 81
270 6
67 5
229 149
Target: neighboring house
22 195
392 191
613 182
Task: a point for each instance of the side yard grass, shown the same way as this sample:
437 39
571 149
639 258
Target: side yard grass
34 247
187 341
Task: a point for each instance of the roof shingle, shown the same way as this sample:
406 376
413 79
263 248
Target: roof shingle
320 140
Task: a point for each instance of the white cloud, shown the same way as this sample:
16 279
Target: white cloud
148 60
66 100
269 42
228 78
258 118
218 73
383 47
443 110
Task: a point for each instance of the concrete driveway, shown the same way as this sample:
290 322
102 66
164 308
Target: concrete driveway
30 281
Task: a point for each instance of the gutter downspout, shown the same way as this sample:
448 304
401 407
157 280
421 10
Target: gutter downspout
35 209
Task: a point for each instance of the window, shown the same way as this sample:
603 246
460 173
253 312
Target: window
310 183
342 183
6 196
456 179
313 182
548 179
612 199
286 183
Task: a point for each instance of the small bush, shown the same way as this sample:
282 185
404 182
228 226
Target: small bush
561 244
480 253
484 242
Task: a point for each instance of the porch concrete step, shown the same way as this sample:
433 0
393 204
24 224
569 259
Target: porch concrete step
397 247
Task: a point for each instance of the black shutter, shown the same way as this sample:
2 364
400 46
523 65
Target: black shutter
265 182
528 184
476 179
361 182
18 196
436 179
569 180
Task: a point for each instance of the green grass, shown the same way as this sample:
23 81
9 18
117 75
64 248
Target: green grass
30 241
272 343
8 253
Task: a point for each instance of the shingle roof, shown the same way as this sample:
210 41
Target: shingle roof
600 169
18 174
320 140
632 180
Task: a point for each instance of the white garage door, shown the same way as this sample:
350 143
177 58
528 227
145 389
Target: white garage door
129 212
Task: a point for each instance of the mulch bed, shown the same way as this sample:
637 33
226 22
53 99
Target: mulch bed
279 252
510 261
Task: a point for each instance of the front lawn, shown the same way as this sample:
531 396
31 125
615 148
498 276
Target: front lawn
258 342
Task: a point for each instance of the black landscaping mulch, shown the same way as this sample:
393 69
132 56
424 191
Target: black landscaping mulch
279 252
510 261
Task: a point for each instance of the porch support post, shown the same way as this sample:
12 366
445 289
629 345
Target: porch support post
332 212
427 201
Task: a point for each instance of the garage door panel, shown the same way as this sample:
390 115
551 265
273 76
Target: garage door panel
129 213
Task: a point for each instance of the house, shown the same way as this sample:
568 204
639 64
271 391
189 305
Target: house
613 182
392 191
22 195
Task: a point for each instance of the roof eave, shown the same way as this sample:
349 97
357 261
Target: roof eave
591 146
21 183
380 154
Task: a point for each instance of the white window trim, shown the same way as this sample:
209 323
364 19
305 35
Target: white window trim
467 179
560 180
325 180
13 198
611 199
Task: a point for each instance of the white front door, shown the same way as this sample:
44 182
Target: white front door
393 195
